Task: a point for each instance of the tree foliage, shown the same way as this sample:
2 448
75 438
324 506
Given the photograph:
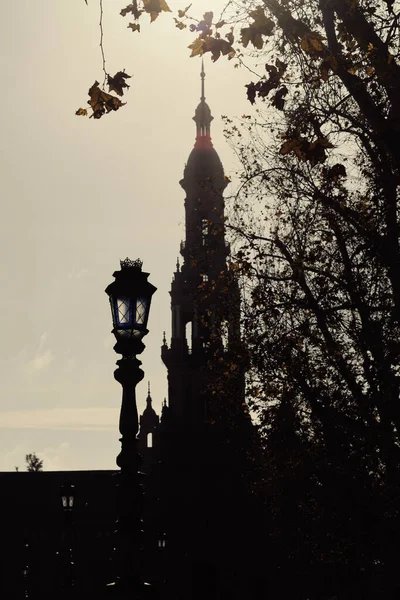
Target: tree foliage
316 221
317 226
33 463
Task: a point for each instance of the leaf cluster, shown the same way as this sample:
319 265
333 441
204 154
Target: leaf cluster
100 101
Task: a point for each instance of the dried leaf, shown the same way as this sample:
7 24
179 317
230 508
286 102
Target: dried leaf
217 46
289 146
134 27
81 112
230 37
197 47
208 17
179 24
117 83
261 25
329 63
182 13
278 100
155 7
312 44
132 9
205 25
101 102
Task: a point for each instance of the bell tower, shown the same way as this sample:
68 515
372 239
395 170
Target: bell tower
205 428
204 291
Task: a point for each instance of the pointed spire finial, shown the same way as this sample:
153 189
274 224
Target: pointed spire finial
164 339
202 75
178 266
148 399
203 117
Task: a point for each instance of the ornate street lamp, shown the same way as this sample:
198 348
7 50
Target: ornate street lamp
67 493
130 297
67 496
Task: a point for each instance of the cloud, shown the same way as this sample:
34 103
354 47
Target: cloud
55 458
77 274
89 419
43 357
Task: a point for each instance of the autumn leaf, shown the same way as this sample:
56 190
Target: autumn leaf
261 25
208 17
205 25
217 46
134 27
323 142
197 47
155 7
132 9
230 37
251 92
179 24
81 112
329 63
312 152
117 83
182 13
278 100
334 173
101 102
291 145
312 44
263 87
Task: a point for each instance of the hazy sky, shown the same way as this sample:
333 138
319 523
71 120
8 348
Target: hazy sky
77 196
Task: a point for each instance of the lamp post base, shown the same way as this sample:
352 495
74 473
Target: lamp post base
131 588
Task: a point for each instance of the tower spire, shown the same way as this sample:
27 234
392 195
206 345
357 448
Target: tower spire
202 75
148 399
203 117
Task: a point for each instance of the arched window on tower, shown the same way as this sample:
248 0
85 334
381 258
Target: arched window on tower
224 334
150 440
204 231
188 335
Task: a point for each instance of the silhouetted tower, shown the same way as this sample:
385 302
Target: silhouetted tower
149 430
204 293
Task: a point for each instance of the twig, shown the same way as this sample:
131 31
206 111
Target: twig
101 44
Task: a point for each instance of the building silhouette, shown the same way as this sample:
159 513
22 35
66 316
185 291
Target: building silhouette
200 518
201 452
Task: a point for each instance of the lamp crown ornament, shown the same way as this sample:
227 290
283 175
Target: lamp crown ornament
128 263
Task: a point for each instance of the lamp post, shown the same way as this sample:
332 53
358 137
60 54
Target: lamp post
67 501
67 497
130 297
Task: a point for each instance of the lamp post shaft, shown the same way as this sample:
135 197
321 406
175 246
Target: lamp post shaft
128 374
130 296
130 492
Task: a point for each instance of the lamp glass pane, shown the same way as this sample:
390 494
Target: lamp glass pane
123 307
126 333
71 501
141 306
129 333
64 501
